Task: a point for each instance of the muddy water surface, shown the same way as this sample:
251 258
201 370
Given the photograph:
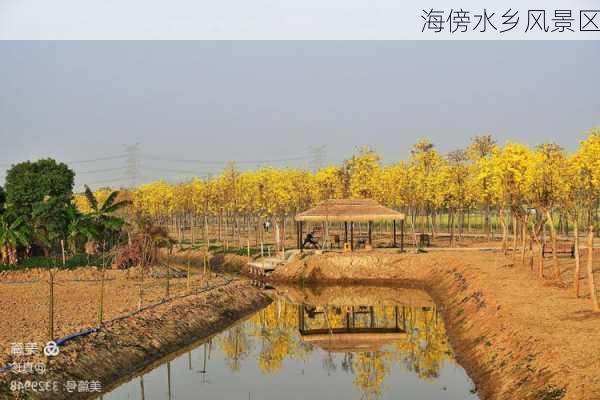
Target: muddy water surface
320 343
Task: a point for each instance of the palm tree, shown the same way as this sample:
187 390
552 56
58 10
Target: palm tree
12 234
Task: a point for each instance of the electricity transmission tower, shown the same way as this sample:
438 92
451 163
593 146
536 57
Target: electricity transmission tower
132 164
317 157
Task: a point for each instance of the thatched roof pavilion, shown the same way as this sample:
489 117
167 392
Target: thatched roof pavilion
349 211
343 210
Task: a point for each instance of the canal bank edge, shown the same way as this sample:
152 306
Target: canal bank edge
125 346
503 362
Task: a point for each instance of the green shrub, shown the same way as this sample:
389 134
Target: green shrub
76 261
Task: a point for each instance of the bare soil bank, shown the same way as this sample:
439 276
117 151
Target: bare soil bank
130 344
517 336
24 296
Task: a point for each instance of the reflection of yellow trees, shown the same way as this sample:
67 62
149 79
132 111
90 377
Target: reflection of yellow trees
426 347
276 327
235 345
423 351
370 370
276 346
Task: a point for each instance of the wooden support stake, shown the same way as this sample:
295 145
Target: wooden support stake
50 304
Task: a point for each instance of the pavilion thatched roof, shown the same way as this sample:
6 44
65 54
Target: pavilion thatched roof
340 210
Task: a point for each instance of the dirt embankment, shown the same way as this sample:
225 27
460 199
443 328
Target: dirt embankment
517 336
127 345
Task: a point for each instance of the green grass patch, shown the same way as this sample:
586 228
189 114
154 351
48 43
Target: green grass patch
76 261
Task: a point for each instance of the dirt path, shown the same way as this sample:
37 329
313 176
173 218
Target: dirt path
518 337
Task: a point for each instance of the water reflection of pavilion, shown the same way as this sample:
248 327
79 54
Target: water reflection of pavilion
351 328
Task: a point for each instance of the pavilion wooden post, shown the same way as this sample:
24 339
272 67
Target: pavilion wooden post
345 232
352 235
394 234
301 241
370 233
402 235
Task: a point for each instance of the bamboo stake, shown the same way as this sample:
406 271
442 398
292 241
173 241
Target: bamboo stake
101 308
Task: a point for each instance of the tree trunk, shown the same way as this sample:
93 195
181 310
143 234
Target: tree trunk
277 236
540 248
220 221
205 228
577 260
590 273
523 235
451 225
553 238
192 223
504 231
514 229
487 223
237 230
469 220
283 235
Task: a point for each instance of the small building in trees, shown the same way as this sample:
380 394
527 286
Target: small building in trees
348 212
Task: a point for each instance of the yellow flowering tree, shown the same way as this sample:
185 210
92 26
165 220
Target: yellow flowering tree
586 191
362 173
547 188
508 181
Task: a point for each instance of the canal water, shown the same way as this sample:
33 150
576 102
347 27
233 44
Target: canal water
320 343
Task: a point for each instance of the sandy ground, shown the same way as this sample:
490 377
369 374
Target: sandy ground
519 337
24 300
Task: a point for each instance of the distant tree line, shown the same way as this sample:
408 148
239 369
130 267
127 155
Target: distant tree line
526 191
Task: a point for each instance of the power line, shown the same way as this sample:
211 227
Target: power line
91 160
199 161
108 180
96 159
132 163
100 170
175 171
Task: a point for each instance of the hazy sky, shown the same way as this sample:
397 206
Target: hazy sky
215 101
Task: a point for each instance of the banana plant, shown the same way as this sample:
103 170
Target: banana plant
102 214
13 233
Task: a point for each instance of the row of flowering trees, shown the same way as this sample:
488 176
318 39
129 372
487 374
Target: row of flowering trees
530 193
